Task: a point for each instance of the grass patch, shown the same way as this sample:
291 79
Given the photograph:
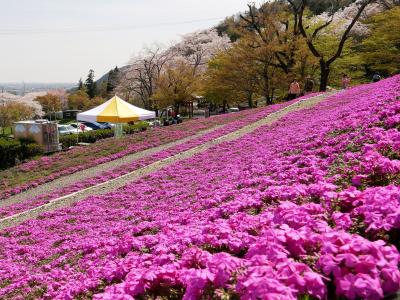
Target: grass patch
6 131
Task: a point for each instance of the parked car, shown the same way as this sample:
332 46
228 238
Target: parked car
78 127
109 125
233 109
97 125
66 129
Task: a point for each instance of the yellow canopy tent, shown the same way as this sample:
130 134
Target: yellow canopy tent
116 111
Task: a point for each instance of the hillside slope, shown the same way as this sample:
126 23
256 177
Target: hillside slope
306 207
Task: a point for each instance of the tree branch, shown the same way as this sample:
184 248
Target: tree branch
320 28
303 32
253 22
347 31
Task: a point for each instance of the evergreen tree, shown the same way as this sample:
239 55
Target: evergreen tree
80 84
90 84
110 85
112 80
102 89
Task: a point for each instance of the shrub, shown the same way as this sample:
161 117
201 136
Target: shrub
85 137
141 126
13 150
8 152
68 140
30 150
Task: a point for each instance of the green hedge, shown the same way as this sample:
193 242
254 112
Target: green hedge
95 135
141 126
13 150
85 137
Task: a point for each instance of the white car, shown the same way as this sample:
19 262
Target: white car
66 129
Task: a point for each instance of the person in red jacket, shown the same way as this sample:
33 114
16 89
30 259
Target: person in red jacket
294 90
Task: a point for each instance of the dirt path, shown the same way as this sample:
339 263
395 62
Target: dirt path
119 182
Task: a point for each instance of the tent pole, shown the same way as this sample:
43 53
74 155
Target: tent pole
118 130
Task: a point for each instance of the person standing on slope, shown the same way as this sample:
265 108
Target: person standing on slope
294 90
345 81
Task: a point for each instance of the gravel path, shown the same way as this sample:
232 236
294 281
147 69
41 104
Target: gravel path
119 182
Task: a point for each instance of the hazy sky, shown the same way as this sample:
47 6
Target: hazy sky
60 40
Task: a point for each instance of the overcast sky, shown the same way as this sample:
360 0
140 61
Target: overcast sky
60 40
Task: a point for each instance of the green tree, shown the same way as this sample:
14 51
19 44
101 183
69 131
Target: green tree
229 27
218 88
78 100
273 24
176 86
320 6
50 103
101 90
96 101
112 80
380 51
13 112
276 47
231 78
299 8
349 61
90 84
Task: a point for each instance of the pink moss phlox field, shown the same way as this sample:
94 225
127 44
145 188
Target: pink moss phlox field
124 169
307 207
49 168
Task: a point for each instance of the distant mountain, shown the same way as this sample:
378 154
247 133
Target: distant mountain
104 78
23 88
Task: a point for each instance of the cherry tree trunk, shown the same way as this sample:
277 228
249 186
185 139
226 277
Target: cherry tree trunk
325 70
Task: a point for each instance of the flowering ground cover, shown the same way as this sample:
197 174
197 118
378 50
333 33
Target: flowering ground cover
305 208
124 169
48 168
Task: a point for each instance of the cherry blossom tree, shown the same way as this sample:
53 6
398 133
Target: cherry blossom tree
342 18
140 78
197 48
